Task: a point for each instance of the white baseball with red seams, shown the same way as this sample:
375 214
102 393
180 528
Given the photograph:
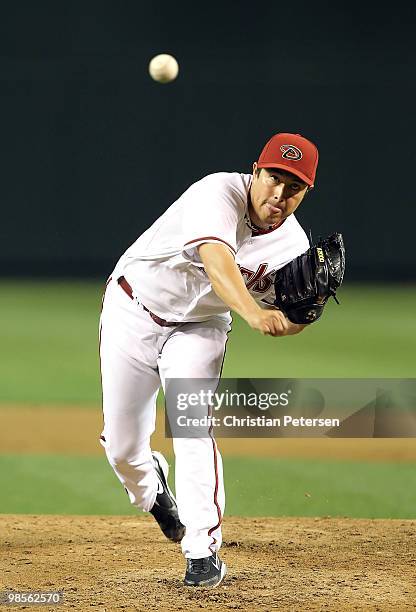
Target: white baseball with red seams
167 277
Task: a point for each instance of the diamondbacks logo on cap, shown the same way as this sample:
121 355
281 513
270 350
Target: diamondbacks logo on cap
291 152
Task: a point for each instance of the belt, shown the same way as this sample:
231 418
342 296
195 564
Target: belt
127 289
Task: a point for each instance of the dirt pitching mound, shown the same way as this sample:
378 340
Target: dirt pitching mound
124 563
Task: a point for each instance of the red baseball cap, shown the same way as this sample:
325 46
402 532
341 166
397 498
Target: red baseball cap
293 153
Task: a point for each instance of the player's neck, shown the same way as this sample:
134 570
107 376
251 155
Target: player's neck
262 230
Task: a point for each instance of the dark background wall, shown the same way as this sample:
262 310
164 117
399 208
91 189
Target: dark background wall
93 150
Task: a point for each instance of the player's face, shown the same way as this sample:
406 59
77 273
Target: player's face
275 194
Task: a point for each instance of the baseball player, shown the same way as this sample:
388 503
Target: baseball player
166 315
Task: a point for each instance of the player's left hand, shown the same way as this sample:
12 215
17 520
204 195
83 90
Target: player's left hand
304 285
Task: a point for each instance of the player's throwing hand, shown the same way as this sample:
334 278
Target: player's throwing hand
269 322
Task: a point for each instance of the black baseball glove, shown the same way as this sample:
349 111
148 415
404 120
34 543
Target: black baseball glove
304 285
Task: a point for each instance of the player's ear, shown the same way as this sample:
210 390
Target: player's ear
254 168
308 189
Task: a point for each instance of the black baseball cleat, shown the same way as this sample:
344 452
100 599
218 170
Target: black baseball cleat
165 509
206 572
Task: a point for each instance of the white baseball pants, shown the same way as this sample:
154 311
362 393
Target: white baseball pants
137 356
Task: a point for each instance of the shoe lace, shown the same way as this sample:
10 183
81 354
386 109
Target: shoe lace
198 566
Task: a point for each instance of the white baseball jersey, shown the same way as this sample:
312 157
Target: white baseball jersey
163 265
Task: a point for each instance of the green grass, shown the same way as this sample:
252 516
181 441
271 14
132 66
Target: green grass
49 355
49 340
287 487
48 337
372 334
296 487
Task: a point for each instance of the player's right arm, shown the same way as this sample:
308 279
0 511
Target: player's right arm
228 284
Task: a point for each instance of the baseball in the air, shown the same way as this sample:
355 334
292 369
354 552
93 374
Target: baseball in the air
163 68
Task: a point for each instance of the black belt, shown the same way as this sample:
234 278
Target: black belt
127 289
